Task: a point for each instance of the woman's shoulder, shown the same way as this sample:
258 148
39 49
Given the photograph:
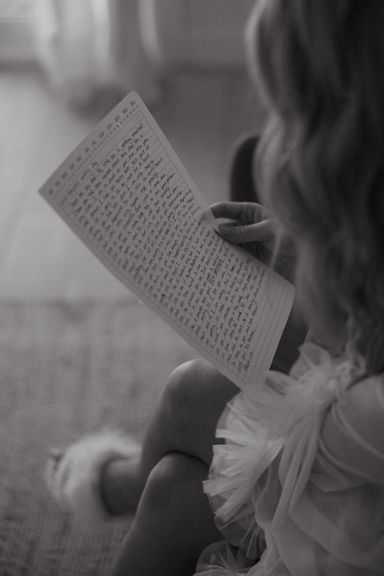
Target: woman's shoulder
353 429
351 410
362 408
367 390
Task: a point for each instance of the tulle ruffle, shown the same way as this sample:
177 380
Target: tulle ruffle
260 483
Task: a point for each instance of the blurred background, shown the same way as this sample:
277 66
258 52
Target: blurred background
63 65
78 352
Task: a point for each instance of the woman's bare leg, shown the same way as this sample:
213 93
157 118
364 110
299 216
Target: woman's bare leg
173 522
184 422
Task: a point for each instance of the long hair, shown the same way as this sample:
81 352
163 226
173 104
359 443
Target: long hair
320 66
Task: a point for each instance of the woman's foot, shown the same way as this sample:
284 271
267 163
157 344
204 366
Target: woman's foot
96 478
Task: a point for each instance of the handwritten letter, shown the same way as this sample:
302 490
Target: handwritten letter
127 196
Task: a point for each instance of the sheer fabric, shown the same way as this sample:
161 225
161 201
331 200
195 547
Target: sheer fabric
298 486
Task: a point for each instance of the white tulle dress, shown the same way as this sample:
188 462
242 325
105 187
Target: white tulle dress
298 486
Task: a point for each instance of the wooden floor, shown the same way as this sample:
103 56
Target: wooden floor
202 114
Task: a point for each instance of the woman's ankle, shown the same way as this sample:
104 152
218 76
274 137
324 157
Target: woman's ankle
121 485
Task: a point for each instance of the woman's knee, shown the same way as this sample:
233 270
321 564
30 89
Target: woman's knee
173 521
193 400
174 497
170 482
195 392
187 384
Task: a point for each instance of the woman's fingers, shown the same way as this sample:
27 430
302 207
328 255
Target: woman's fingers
244 212
247 222
263 232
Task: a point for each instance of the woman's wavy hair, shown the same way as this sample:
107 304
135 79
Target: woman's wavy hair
320 65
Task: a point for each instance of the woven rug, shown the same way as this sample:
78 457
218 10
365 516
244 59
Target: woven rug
67 369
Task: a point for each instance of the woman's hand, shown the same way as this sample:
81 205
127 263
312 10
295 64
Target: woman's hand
255 228
251 224
247 222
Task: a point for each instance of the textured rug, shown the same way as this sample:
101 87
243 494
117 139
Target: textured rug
67 369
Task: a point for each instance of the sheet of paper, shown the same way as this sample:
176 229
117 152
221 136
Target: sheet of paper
127 196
